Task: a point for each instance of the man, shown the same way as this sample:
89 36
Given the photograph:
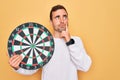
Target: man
69 54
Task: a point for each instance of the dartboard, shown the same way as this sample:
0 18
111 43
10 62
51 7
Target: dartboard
33 42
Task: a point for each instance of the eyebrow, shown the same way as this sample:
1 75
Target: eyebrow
65 15
57 16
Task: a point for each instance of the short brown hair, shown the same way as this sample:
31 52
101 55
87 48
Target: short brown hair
55 8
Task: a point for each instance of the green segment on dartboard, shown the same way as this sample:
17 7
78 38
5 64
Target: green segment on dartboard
51 43
29 64
49 54
12 49
40 63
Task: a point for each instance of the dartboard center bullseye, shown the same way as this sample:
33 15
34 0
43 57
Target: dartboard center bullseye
33 46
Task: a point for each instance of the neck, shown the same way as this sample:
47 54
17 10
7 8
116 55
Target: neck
56 34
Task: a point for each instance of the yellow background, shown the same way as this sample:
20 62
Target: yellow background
97 22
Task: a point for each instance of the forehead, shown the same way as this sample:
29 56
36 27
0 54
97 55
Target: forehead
59 12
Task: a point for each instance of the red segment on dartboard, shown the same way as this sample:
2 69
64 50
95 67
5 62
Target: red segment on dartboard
19 31
13 42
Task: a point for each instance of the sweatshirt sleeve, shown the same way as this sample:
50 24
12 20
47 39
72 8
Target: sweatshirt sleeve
79 56
25 71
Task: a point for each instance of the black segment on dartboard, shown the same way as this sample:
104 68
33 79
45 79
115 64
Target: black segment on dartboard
31 32
21 33
34 58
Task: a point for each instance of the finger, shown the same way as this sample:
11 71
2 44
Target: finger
66 28
13 57
63 34
17 59
17 62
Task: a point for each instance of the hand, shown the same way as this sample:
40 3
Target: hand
65 34
14 61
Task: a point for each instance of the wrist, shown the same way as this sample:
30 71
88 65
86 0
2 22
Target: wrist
70 42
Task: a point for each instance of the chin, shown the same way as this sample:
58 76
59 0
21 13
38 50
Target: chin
60 30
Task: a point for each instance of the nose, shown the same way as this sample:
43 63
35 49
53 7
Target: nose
61 20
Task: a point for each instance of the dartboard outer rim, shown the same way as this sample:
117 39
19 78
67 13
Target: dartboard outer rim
38 65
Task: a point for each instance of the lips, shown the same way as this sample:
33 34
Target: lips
62 25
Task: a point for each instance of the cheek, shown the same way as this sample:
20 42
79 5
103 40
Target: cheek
56 23
66 21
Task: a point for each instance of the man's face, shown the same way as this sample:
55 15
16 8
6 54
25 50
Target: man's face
59 20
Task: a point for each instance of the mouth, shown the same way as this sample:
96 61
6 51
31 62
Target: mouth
62 25
62 29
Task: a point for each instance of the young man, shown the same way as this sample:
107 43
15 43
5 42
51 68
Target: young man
69 54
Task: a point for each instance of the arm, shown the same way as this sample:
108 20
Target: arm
79 56
25 71
14 62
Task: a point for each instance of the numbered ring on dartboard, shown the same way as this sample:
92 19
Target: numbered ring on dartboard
34 43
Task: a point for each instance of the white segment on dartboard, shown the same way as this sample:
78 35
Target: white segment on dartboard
26 32
43 51
30 58
24 47
43 35
39 59
25 53
18 47
35 31
21 39
44 44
